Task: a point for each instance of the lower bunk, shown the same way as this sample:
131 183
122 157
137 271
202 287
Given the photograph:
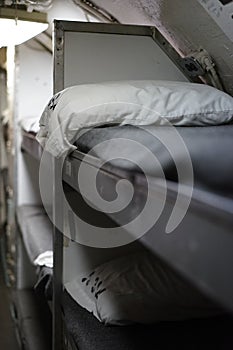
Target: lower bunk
132 300
31 296
184 318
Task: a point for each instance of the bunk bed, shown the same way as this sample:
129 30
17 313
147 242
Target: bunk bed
31 309
31 297
81 329
190 253
33 222
185 252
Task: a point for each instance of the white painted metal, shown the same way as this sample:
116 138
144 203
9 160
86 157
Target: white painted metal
34 89
97 57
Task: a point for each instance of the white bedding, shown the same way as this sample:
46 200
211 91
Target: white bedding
129 102
45 259
30 124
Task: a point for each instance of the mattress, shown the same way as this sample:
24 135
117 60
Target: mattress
88 333
209 148
36 230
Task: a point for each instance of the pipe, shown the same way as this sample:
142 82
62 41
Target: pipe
96 11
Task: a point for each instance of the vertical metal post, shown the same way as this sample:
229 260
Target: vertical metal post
58 257
58 65
58 81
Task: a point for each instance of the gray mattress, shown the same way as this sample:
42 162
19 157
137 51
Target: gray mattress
89 334
210 149
36 229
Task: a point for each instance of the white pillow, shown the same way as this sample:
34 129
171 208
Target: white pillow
137 288
129 102
30 124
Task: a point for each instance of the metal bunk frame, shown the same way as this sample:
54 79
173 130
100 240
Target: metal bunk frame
194 247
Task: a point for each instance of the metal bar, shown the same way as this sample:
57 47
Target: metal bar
58 73
108 28
57 260
58 85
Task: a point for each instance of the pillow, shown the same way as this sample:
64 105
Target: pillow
137 288
30 124
129 102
